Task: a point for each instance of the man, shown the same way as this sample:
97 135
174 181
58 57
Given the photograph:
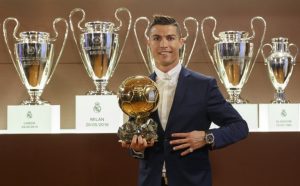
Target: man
189 103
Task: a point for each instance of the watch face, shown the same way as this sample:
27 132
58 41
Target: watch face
209 138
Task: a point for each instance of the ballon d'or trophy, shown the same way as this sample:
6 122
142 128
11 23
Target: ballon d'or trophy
233 57
280 64
150 62
33 57
138 97
98 45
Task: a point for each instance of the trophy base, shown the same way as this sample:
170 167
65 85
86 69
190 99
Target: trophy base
279 98
237 100
35 102
147 130
234 96
95 92
279 101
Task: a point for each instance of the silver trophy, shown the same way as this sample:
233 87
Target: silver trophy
150 63
233 57
33 57
280 64
98 45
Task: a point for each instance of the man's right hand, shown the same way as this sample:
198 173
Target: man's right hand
138 144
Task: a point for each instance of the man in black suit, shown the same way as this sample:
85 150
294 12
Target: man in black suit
189 103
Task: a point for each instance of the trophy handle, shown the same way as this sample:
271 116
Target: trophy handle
297 50
205 42
261 42
263 54
138 42
74 33
79 22
57 20
187 35
7 43
118 28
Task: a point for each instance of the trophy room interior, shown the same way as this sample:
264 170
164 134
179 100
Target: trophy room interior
73 159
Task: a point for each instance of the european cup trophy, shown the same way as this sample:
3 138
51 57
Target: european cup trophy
280 64
98 45
138 97
149 62
33 57
233 57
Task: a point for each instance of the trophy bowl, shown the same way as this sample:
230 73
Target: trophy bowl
138 97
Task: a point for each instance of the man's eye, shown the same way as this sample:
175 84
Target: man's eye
155 39
171 38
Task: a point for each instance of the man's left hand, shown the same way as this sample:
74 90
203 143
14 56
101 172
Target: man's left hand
189 141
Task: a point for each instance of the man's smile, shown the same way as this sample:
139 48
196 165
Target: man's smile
164 52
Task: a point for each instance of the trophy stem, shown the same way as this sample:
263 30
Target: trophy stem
234 97
101 88
279 97
35 98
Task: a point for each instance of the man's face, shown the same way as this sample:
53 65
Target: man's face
164 43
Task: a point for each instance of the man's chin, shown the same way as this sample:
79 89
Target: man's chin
166 63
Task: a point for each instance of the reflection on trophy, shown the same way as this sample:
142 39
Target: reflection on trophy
280 64
150 63
34 58
138 97
233 57
98 46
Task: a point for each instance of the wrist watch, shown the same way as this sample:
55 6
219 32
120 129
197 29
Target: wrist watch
209 138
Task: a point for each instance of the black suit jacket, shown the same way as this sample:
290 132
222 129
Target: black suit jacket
197 103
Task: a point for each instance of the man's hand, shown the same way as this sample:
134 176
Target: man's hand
189 141
138 144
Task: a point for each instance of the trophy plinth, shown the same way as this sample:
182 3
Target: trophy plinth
98 114
33 119
280 63
138 97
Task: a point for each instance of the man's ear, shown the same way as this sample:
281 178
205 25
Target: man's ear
182 41
148 42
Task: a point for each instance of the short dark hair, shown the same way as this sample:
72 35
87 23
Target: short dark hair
164 20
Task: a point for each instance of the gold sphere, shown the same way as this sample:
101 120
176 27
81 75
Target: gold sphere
138 96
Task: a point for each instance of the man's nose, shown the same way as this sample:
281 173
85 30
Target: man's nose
163 43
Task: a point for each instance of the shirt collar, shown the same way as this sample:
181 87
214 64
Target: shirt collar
170 75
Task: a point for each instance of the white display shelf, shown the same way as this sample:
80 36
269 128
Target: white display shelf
260 118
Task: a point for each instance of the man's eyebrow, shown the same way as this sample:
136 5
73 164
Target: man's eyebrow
172 35
157 35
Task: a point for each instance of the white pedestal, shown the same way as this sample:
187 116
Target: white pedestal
279 117
98 114
249 113
33 118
